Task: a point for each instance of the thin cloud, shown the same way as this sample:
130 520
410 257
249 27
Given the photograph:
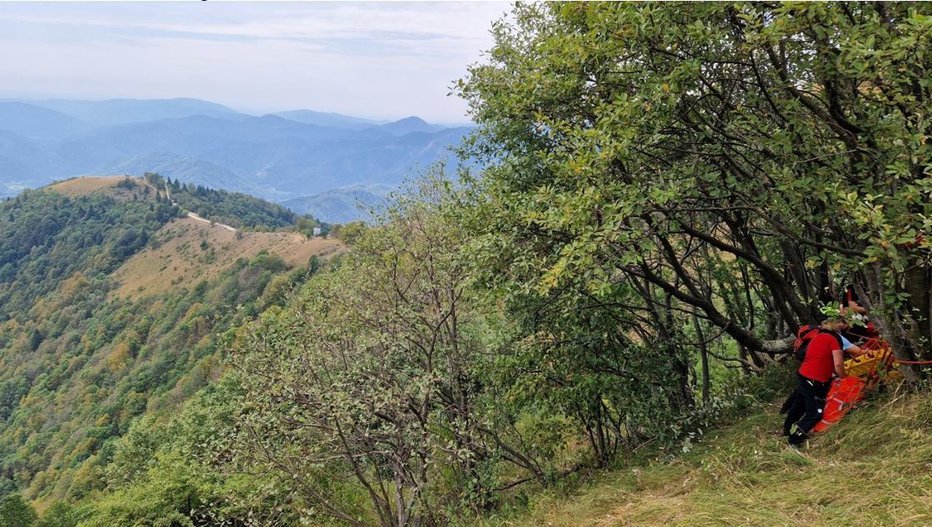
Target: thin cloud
373 59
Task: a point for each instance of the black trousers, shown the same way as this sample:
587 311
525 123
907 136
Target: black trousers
804 408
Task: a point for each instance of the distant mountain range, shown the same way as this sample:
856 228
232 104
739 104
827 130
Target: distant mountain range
319 163
342 205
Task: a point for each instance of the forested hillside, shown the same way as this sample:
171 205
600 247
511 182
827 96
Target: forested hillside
78 362
231 208
670 190
47 238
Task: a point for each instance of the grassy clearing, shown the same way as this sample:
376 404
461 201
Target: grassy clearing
108 185
190 251
875 468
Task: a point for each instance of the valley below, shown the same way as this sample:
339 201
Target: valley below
322 164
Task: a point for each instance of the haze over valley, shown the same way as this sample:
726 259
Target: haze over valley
323 164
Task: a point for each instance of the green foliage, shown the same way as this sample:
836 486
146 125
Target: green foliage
365 389
306 225
78 367
683 146
59 515
671 190
350 232
179 472
235 209
48 237
164 499
15 511
155 180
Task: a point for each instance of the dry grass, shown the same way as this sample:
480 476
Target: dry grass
81 186
875 468
189 251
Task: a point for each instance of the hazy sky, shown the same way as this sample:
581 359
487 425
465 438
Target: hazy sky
382 60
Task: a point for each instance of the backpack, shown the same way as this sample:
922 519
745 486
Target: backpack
804 336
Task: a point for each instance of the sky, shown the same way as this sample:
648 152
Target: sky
379 60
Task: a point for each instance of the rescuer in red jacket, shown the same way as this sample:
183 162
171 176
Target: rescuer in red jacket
824 358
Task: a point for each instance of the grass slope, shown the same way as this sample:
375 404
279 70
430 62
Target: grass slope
875 468
108 185
189 251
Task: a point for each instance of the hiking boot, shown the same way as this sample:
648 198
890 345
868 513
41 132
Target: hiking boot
797 438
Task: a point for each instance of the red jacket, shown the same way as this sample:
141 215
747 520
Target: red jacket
819 363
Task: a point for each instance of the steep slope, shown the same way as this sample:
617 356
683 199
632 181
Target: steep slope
873 469
190 251
112 306
48 237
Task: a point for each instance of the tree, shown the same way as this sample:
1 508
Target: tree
367 388
60 514
15 511
680 149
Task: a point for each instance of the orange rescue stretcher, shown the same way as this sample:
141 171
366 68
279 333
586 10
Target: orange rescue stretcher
864 373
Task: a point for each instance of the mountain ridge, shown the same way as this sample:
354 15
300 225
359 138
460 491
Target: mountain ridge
108 112
342 204
268 156
112 307
335 120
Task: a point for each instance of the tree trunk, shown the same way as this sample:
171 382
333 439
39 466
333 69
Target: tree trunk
704 359
884 317
918 282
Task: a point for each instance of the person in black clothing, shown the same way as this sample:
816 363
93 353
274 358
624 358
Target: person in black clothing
824 357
